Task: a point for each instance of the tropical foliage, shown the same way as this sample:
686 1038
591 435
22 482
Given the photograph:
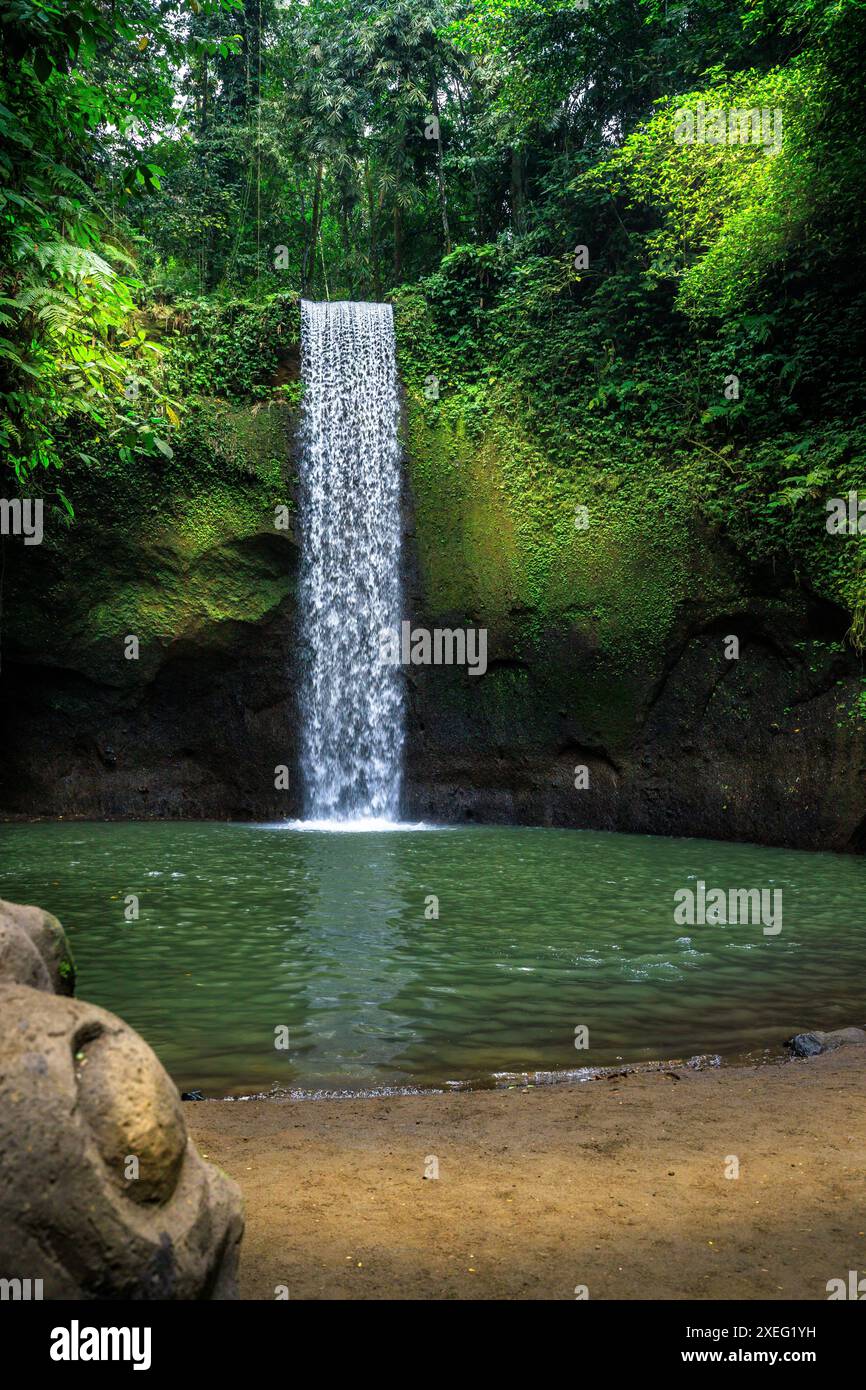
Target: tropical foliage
512 173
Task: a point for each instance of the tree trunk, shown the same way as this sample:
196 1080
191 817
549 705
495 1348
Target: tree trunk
202 110
480 220
310 249
517 190
440 177
347 251
203 267
398 244
371 214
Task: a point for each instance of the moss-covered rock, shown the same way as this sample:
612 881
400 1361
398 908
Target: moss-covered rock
608 602
146 646
607 592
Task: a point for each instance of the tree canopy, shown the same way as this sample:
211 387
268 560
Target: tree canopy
513 173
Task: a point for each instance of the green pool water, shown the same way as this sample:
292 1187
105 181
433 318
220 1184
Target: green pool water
247 929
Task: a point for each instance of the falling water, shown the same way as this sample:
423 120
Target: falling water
351 701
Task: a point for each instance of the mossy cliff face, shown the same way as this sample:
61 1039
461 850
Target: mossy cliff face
608 607
607 602
186 558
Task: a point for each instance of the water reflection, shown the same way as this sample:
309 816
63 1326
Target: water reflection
245 929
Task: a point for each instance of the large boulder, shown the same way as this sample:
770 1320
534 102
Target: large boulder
34 950
103 1195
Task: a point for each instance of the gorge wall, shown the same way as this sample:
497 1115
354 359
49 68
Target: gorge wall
605 649
607 652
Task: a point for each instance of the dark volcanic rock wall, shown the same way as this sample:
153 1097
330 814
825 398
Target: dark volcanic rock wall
201 575
606 650
761 749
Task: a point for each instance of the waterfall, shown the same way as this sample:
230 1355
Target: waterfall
351 701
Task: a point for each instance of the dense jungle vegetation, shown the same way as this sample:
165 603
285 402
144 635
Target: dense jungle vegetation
566 269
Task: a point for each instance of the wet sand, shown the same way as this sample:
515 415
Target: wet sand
617 1184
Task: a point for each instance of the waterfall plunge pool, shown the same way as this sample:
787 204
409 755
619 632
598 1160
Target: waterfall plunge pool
247 929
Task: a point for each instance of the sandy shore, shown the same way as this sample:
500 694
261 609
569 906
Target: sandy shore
617 1184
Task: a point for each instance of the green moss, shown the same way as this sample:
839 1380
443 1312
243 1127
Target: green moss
499 536
167 548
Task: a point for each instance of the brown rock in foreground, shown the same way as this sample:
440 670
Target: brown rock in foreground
34 950
102 1194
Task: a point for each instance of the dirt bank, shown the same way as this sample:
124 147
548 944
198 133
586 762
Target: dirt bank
617 1184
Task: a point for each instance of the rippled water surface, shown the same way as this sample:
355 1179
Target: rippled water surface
245 929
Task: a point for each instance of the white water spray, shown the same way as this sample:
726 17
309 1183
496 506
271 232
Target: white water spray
351 701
